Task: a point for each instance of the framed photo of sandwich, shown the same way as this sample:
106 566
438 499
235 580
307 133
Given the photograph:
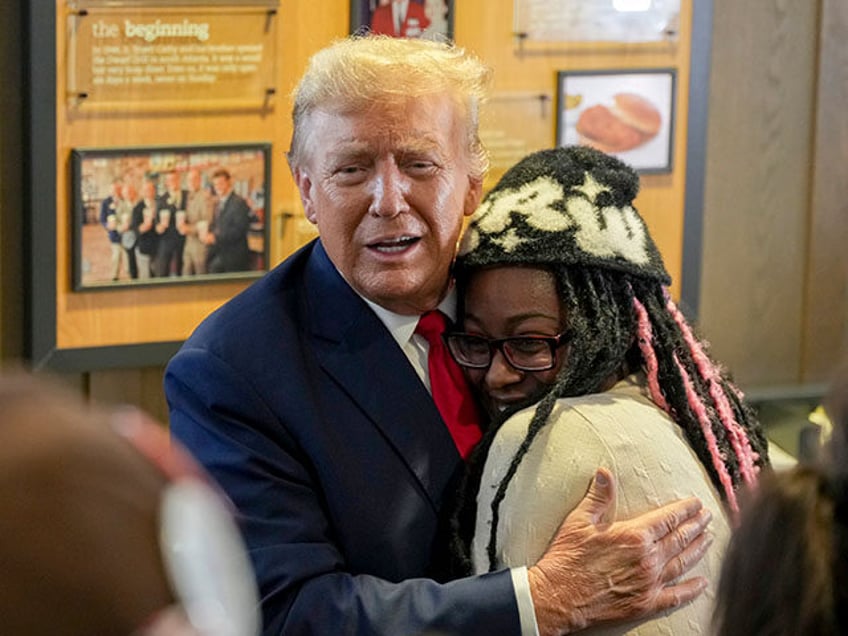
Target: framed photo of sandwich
169 214
626 113
431 19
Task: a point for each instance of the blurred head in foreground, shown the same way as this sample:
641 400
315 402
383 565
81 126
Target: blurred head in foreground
106 529
786 571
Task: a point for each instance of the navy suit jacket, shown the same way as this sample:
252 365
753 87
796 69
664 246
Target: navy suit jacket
299 402
230 252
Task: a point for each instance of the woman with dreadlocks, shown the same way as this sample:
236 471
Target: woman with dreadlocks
582 359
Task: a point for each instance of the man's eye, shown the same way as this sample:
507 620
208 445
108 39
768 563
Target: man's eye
420 165
349 174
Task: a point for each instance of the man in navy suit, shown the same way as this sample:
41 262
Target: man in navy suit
227 237
307 396
169 250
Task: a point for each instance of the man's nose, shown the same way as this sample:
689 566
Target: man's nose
501 373
391 187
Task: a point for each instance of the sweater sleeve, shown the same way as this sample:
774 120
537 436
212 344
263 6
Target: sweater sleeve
652 464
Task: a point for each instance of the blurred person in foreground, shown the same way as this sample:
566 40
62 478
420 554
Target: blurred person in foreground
107 529
786 570
573 343
320 401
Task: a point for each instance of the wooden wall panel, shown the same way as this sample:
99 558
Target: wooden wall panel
140 387
825 332
757 183
142 315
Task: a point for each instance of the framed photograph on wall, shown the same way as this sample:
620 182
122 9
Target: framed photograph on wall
169 215
431 19
626 113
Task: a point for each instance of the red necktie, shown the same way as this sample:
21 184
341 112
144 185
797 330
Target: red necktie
447 383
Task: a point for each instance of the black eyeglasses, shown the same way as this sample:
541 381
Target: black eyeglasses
525 353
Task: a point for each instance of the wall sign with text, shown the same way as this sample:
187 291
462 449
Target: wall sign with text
170 56
597 20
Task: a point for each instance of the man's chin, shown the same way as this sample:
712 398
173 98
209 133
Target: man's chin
401 294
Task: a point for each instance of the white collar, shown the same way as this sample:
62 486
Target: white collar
402 327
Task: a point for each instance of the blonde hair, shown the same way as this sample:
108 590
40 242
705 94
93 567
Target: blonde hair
357 72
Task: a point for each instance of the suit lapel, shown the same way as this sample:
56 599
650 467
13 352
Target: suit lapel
356 349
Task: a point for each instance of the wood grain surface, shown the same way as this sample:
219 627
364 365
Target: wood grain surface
825 326
757 187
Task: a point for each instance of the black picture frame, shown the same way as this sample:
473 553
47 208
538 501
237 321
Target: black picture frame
111 249
628 113
438 13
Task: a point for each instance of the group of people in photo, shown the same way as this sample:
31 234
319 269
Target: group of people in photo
185 229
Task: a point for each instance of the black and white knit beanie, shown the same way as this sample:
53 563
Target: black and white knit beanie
566 206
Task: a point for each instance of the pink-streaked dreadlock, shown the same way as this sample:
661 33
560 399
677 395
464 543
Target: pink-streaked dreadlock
570 211
707 412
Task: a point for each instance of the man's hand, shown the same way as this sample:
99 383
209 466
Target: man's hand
595 571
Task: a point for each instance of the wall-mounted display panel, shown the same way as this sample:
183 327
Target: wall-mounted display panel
79 318
597 20
140 56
